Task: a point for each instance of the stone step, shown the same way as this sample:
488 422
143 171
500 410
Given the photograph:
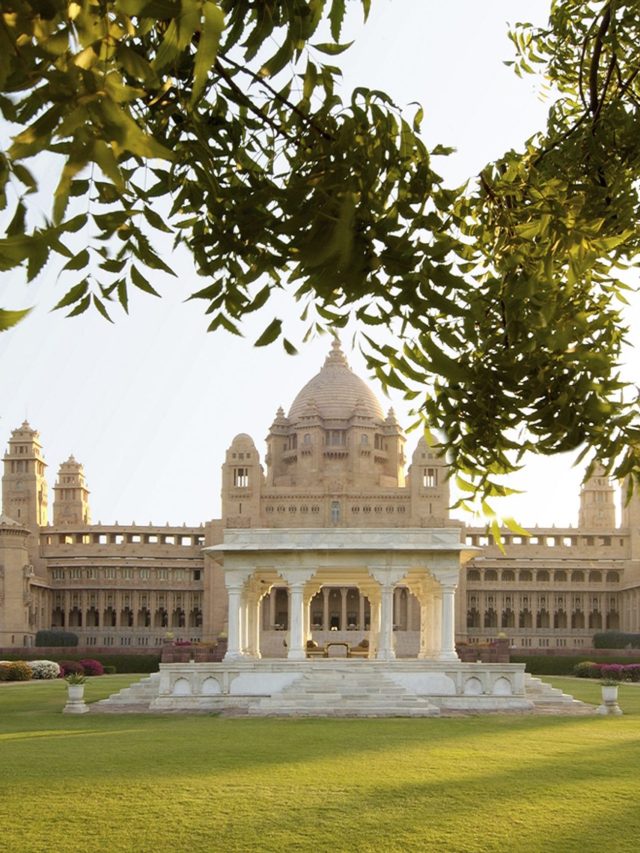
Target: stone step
550 699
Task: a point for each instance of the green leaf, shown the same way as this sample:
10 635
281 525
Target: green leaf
73 295
17 224
514 527
270 333
123 295
155 220
101 308
10 318
139 281
332 49
81 307
78 261
496 532
336 17
210 33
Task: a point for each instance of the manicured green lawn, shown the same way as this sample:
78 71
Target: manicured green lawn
181 784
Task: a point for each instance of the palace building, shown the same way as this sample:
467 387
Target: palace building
335 462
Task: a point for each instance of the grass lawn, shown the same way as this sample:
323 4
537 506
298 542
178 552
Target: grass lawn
154 784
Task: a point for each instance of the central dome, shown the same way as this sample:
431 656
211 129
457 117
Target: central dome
335 392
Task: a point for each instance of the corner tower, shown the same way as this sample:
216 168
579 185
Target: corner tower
24 488
428 482
71 495
597 502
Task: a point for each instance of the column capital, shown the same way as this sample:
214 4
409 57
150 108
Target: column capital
296 576
387 576
237 578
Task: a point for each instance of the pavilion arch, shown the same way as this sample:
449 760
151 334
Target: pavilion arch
376 561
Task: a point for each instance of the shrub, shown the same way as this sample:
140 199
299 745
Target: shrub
613 671
616 640
586 669
44 669
19 671
633 671
4 671
56 638
92 667
69 666
109 670
132 663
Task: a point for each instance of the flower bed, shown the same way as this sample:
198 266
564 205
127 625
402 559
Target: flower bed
608 671
43 669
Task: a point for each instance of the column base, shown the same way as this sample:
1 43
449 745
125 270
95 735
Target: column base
385 654
234 656
428 655
296 654
75 708
450 656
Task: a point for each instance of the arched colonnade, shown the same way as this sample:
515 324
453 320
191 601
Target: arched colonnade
426 561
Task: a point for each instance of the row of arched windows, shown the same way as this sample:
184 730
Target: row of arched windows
542 576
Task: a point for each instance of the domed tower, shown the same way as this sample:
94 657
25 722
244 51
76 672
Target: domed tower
597 502
71 495
242 480
24 488
335 431
429 485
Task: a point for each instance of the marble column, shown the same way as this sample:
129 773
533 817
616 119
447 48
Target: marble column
325 608
256 607
234 643
343 608
296 622
385 637
272 608
361 611
448 641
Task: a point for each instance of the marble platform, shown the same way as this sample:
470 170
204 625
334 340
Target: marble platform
327 687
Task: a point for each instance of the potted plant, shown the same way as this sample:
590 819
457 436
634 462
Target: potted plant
75 686
609 697
609 689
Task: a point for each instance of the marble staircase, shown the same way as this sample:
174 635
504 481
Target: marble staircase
551 700
344 693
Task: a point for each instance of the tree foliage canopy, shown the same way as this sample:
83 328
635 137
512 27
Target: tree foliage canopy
503 296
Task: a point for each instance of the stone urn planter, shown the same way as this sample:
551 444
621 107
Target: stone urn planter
75 695
609 699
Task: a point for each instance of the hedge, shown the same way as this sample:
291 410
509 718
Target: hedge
558 664
56 638
616 640
120 663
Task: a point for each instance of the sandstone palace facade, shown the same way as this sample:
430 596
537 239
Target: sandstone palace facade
335 460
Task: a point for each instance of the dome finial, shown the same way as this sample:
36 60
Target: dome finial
336 357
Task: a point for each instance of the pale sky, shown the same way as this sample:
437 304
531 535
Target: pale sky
150 404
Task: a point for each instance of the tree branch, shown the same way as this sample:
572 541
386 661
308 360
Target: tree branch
595 59
249 103
262 82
